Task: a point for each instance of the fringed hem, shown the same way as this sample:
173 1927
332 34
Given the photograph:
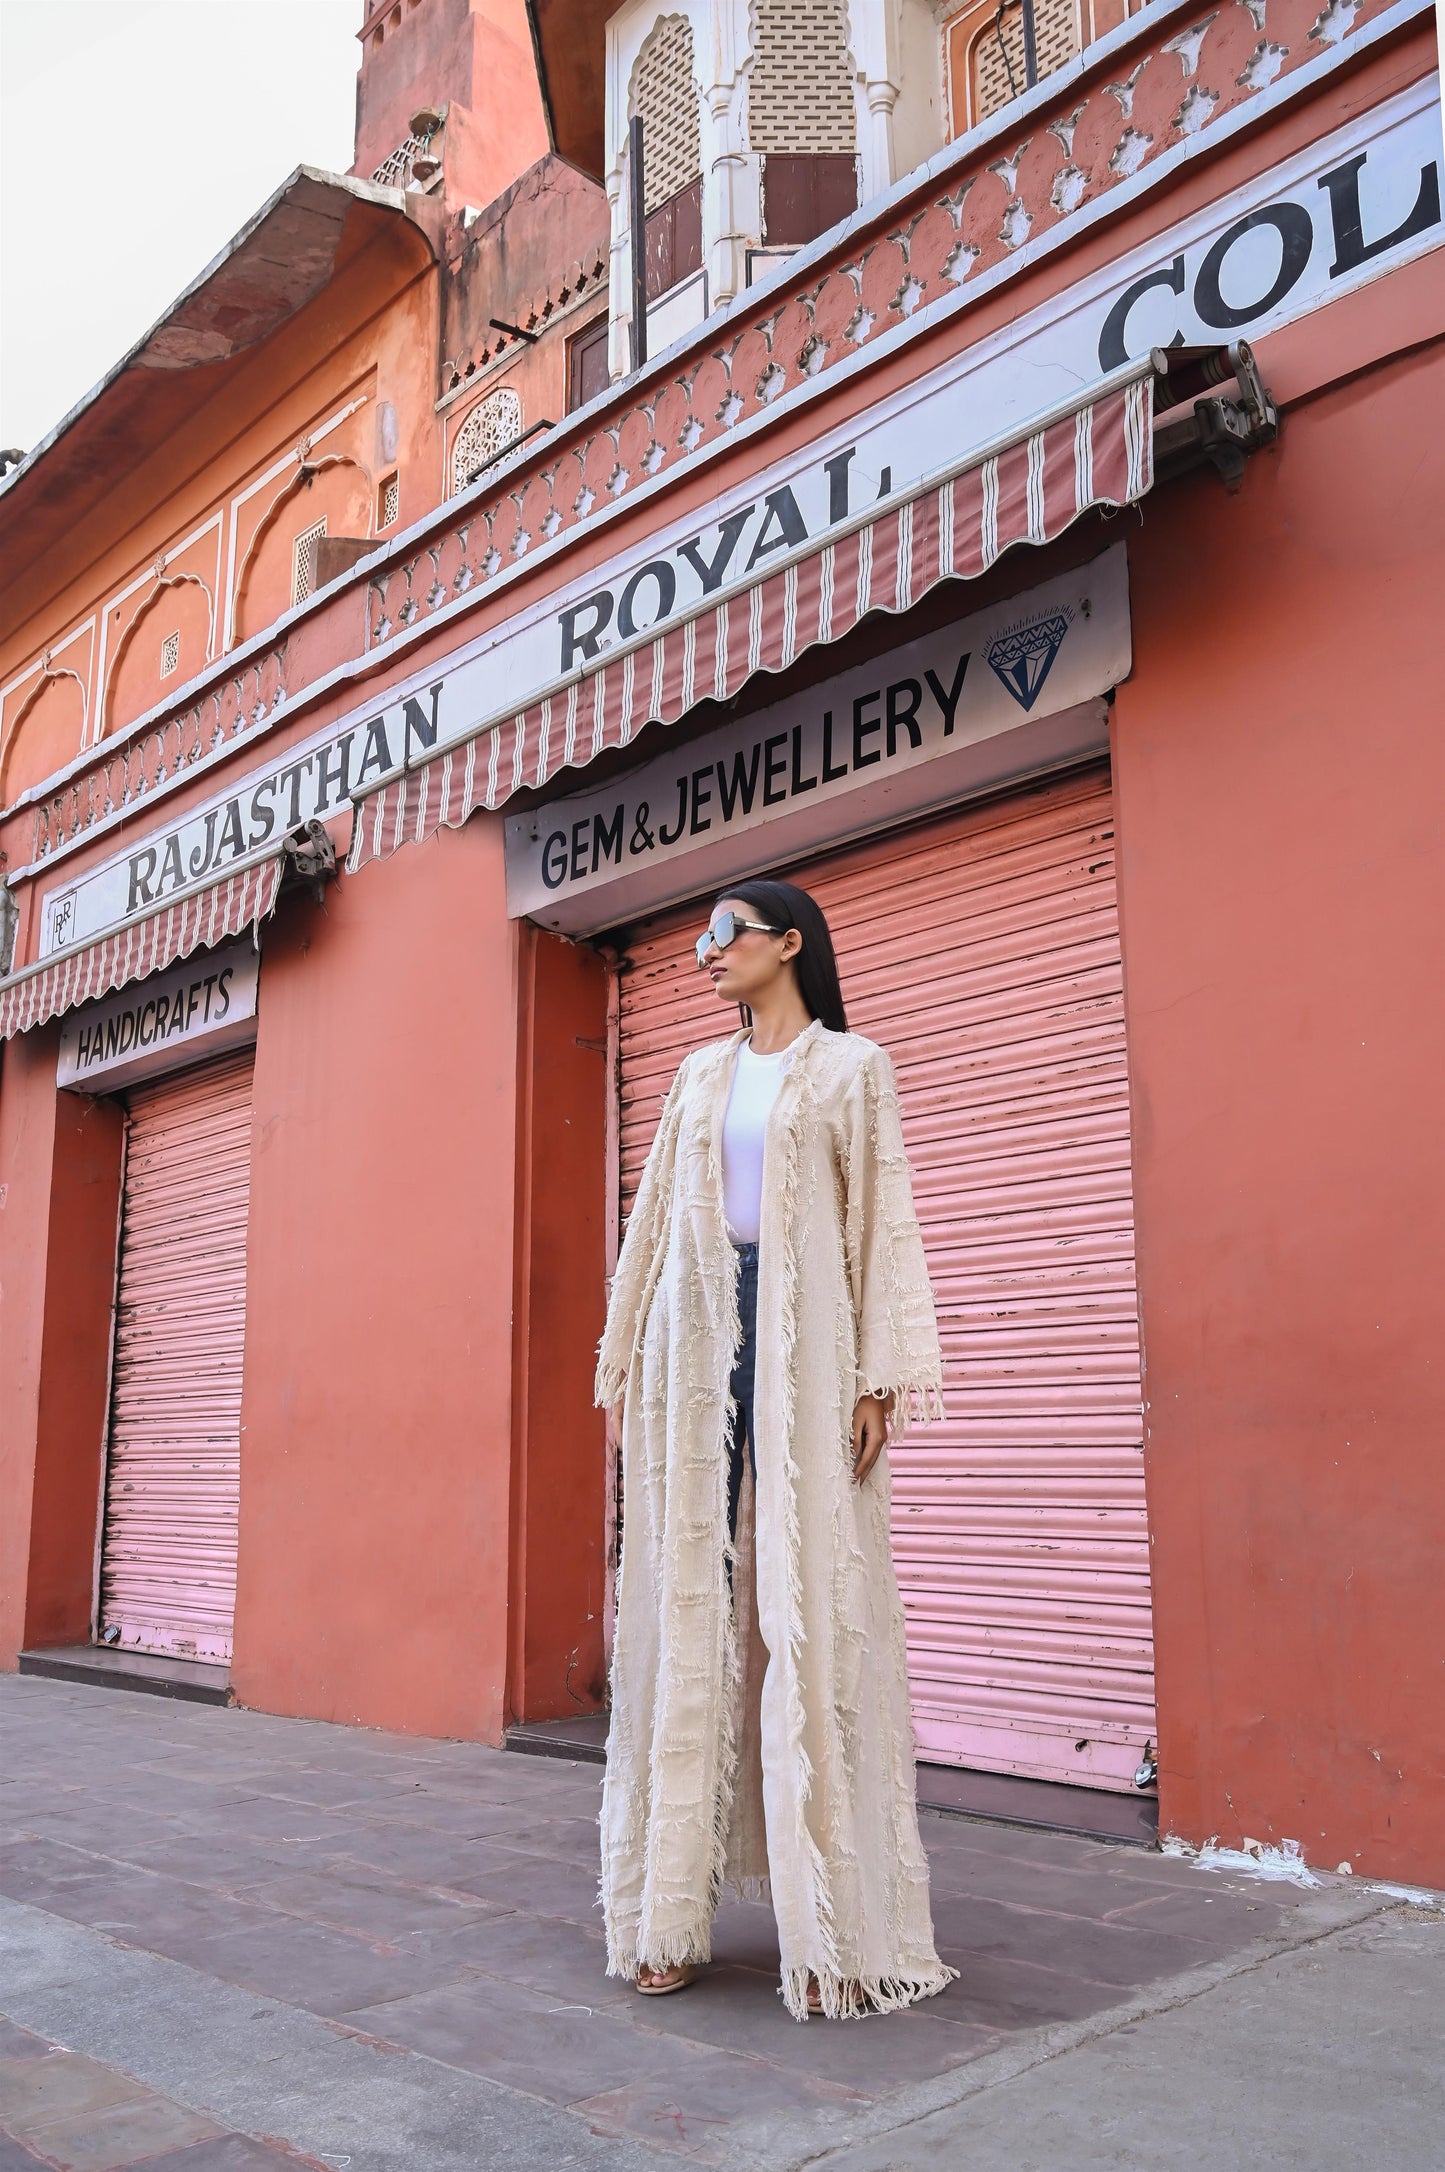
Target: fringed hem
915 1402
855 1998
609 1386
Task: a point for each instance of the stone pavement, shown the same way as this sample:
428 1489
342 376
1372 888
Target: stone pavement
229 1941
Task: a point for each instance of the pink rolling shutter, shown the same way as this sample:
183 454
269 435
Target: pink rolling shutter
982 950
168 1558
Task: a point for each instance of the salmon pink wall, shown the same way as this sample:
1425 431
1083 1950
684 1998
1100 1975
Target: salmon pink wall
185 608
1280 781
559 1495
60 1164
27 1145
48 733
376 1413
472 59
338 492
85 1181
368 343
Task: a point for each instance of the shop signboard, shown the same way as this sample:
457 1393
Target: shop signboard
194 1010
1337 214
1002 693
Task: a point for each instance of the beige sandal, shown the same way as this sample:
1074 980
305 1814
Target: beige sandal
664 1980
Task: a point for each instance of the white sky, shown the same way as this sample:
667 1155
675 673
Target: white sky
136 136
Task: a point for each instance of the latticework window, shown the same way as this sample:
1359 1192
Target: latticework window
170 654
491 426
394 172
665 95
800 83
303 561
390 500
1056 35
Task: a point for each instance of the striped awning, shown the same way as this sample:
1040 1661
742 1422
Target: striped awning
1096 452
146 945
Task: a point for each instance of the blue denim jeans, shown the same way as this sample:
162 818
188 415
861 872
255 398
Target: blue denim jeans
743 1376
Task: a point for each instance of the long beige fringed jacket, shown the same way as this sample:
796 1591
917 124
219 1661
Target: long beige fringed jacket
760 1730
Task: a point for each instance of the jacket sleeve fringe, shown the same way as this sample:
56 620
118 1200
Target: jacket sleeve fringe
898 1348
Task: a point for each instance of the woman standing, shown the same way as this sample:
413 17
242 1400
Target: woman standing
770 1312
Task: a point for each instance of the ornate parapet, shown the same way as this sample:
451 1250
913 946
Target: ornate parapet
1093 131
120 777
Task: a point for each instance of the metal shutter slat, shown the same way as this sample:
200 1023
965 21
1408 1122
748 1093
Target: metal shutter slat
982 950
173 1468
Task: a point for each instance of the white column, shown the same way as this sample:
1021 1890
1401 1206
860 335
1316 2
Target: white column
727 228
876 146
874 39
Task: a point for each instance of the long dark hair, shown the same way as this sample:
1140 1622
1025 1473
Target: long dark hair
783 905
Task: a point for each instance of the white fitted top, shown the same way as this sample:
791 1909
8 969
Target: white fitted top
756 1080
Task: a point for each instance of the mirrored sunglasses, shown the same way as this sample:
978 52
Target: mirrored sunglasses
726 929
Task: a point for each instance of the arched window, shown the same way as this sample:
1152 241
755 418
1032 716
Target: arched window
999 73
489 428
665 98
802 118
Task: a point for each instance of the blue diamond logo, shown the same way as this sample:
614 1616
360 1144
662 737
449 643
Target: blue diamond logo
1023 659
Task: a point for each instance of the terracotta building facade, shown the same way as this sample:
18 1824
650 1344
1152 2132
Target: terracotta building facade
981 465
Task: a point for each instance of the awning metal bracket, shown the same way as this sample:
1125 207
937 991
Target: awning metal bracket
1224 427
309 858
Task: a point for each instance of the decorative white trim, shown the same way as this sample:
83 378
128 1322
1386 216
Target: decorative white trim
243 497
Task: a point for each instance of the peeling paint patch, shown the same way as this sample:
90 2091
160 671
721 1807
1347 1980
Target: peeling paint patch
1130 152
1198 106
1335 22
1188 43
1419 1896
1123 93
1007 169
1281 1865
1262 66
1069 189
1064 128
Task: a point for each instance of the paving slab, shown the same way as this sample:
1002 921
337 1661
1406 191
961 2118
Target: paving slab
14 2157
281 2078
76 2114
346 1897
1330 2058
388 1950
117 2136
233 2153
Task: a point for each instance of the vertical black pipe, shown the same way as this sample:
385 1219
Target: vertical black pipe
638 220
1031 46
